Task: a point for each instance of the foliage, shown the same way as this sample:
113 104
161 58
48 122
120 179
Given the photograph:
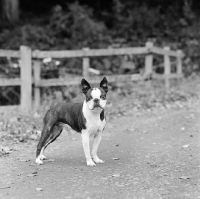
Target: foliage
134 97
76 26
73 28
121 23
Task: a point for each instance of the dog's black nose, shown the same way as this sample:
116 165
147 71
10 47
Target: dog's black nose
96 100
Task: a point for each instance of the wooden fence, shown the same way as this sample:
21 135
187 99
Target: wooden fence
28 57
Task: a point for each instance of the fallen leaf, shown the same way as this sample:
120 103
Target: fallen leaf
39 189
33 137
6 187
21 138
24 160
116 175
39 133
36 115
185 177
6 149
13 119
31 175
115 158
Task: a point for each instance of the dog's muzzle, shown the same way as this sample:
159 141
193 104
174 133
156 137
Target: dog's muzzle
97 104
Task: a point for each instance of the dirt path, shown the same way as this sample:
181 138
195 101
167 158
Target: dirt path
155 155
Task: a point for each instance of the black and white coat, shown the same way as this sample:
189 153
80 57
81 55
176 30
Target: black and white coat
87 117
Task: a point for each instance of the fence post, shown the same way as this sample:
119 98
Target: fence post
179 62
86 65
37 78
148 63
167 68
26 78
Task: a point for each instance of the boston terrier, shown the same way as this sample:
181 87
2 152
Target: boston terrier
87 118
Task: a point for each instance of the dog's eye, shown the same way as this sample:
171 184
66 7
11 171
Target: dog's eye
88 98
103 97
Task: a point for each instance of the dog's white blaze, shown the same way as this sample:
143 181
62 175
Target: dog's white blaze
96 93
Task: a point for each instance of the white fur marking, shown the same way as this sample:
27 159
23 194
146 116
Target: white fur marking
86 148
96 141
38 160
94 127
40 157
96 93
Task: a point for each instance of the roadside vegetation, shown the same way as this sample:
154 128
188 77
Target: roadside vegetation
101 24
118 24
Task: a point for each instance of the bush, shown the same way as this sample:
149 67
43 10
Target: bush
127 23
73 28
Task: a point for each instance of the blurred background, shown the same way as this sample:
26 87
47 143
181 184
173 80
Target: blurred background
66 25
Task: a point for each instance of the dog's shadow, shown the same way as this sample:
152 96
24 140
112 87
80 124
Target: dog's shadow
67 151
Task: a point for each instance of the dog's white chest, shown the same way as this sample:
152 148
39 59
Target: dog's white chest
95 123
95 126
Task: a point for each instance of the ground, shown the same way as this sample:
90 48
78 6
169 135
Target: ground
148 154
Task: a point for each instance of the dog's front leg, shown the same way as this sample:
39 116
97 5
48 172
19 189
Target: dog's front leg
96 142
86 147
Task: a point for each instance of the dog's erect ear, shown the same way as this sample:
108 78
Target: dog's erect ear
85 86
104 84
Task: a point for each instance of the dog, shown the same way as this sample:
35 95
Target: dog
87 118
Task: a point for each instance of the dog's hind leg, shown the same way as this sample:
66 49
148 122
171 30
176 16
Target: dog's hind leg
56 131
45 141
40 147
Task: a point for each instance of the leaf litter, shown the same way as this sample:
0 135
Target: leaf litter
39 189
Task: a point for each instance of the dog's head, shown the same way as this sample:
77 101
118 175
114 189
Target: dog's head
95 97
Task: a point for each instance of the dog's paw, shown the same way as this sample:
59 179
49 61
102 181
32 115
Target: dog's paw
90 163
98 161
38 161
42 157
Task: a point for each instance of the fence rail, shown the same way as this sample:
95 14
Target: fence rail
89 52
28 58
9 53
10 82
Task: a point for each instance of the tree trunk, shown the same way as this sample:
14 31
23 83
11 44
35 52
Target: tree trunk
10 10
